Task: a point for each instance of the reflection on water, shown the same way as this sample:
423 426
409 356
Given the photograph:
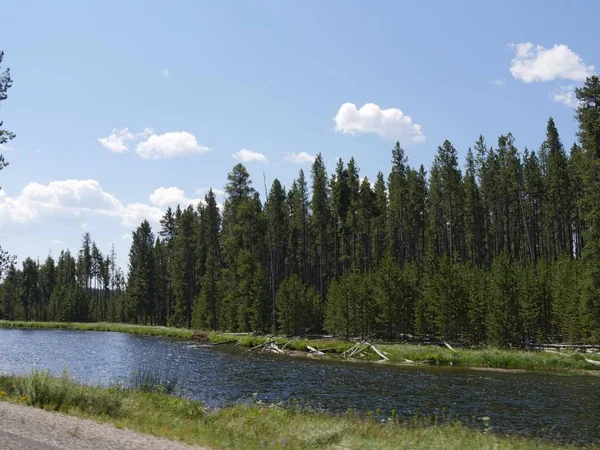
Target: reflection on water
563 407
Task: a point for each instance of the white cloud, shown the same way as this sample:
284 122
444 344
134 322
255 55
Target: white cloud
204 190
134 213
5 147
246 155
69 200
172 196
168 145
165 73
299 158
499 83
118 140
126 236
537 63
565 95
58 242
389 123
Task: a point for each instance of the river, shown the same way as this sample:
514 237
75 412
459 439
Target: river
557 407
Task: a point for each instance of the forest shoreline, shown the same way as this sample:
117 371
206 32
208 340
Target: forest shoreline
488 359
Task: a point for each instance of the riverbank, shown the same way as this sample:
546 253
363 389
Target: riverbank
244 426
486 358
146 330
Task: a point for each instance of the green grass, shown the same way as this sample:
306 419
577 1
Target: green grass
397 353
182 333
429 354
243 426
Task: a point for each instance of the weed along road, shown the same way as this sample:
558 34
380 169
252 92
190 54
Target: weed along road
25 428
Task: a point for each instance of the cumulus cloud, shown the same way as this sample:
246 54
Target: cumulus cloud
151 145
565 95
169 145
499 83
246 155
172 196
69 200
389 123
204 190
299 158
537 63
165 73
118 140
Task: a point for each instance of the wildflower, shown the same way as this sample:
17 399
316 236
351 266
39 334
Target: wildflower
2 393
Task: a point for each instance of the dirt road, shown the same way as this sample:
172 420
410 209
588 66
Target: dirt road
27 428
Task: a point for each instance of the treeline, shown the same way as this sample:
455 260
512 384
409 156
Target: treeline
505 250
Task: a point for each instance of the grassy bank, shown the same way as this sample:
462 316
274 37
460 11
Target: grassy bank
429 354
397 353
147 330
242 426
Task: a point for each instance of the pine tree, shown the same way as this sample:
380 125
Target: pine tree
142 280
504 323
9 293
293 307
47 282
183 273
588 116
5 83
321 222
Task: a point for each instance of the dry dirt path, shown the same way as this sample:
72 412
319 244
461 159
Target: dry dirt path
27 428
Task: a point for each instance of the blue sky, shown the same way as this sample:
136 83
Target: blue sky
195 83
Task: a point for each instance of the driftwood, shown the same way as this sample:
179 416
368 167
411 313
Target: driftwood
272 347
314 350
264 344
385 358
448 345
592 362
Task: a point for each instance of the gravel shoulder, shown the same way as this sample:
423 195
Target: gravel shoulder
28 428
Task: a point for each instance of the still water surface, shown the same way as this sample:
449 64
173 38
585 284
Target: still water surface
559 407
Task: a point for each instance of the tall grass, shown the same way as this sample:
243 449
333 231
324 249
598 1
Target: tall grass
244 426
151 380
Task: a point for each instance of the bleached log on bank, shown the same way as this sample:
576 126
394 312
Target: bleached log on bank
314 350
381 355
264 344
448 345
272 347
592 362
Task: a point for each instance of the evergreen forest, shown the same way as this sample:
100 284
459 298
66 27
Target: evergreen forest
502 250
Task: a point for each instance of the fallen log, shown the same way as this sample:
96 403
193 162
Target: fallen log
385 358
314 350
272 347
448 345
264 344
592 362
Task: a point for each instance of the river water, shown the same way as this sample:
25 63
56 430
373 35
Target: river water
557 407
